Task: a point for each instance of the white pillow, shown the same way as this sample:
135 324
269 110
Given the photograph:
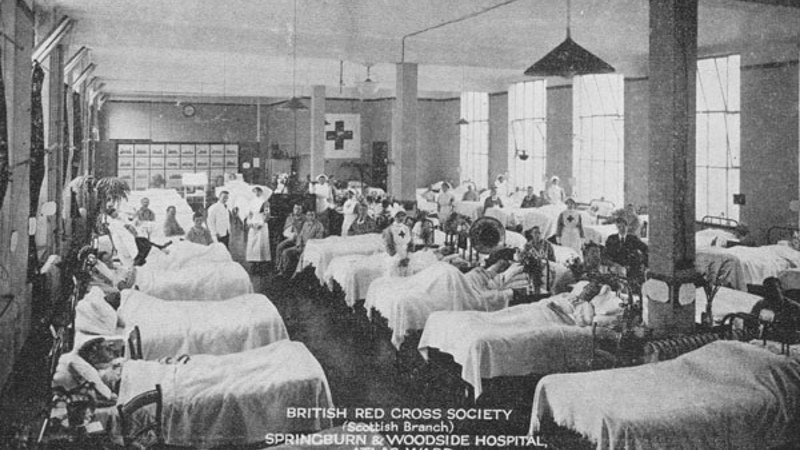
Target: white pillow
93 314
578 288
606 303
72 370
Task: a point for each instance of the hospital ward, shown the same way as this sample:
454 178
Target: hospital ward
399 224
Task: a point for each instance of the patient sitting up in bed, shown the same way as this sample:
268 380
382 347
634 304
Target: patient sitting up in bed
627 251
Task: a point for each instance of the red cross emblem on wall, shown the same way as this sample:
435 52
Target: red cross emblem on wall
339 135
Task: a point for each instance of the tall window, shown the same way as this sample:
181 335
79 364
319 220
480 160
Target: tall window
527 134
598 145
474 160
717 136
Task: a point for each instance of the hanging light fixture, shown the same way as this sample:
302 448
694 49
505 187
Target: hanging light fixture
521 154
294 103
368 87
568 59
462 121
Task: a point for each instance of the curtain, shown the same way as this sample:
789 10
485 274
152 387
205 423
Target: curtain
37 160
4 163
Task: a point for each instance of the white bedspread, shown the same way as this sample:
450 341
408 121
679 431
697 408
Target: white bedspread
750 265
724 395
355 273
171 328
727 301
473 210
160 199
182 254
233 399
320 252
406 303
519 340
790 278
218 281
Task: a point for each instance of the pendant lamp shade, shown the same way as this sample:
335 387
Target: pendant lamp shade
567 60
462 121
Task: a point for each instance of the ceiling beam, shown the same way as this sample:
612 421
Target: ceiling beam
787 3
53 38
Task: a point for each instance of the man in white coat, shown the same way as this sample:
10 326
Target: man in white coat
219 219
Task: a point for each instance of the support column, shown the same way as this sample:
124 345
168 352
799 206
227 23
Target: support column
403 171
55 140
673 56
317 131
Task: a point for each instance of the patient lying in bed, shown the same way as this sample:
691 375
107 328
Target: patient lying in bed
553 335
207 404
407 302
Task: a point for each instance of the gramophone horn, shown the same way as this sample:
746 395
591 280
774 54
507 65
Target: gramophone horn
487 235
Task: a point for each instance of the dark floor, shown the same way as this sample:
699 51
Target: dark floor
362 367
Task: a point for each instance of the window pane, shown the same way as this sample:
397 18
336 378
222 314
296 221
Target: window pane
718 135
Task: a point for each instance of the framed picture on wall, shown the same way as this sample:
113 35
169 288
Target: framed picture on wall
343 136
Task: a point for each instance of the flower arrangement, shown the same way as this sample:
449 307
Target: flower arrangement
716 277
532 264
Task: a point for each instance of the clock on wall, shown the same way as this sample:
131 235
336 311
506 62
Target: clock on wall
189 110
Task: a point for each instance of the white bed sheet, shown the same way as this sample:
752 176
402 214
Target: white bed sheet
355 273
216 281
473 210
171 328
750 265
407 302
515 341
724 395
215 401
727 301
320 252
184 254
160 199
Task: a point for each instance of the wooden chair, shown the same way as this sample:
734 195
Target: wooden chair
135 343
149 435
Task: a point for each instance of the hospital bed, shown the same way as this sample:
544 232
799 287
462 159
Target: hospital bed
743 265
472 210
355 273
203 281
160 199
320 252
235 399
169 328
406 303
726 394
534 339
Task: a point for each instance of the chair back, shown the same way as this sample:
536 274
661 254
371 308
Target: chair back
135 344
140 429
